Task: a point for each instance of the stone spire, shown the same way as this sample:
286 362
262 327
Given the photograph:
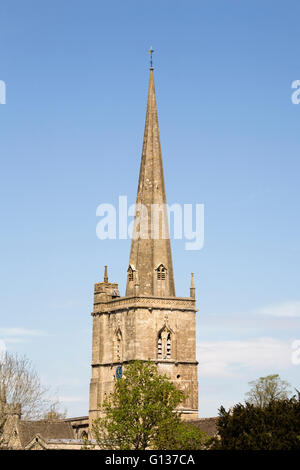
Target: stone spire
150 269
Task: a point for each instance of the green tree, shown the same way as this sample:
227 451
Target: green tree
183 436
266 389
248 427
141 407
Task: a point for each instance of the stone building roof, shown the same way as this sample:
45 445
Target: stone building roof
27 430
208 425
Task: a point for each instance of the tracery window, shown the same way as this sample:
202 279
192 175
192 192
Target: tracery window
164 344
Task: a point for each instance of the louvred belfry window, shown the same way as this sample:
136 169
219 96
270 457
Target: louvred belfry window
169 346
164 343
118 346
159 346
130 274
161 273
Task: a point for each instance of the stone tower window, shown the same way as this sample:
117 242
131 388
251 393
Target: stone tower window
130 273
159 346
161 272
118 346
164 344
169 346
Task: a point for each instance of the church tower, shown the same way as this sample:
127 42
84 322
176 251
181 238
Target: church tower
150 322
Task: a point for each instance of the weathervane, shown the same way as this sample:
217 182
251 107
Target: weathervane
151 52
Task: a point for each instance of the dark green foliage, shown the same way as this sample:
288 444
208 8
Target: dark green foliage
183 436
248 427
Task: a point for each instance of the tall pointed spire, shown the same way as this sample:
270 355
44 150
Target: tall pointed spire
150 255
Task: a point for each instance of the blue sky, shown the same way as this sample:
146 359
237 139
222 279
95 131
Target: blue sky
71 133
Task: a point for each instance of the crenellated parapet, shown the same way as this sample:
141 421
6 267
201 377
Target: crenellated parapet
8 409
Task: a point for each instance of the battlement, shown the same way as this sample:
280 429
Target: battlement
106 291
10 409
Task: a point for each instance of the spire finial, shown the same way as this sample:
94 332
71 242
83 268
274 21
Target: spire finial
105 274
151 52
192 288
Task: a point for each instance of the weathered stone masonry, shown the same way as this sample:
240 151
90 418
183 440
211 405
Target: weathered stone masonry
150 322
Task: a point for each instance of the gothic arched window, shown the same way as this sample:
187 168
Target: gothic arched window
118 346
169 346
164 344
161 272
130 273
159 346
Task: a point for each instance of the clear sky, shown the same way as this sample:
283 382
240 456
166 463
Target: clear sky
71 132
